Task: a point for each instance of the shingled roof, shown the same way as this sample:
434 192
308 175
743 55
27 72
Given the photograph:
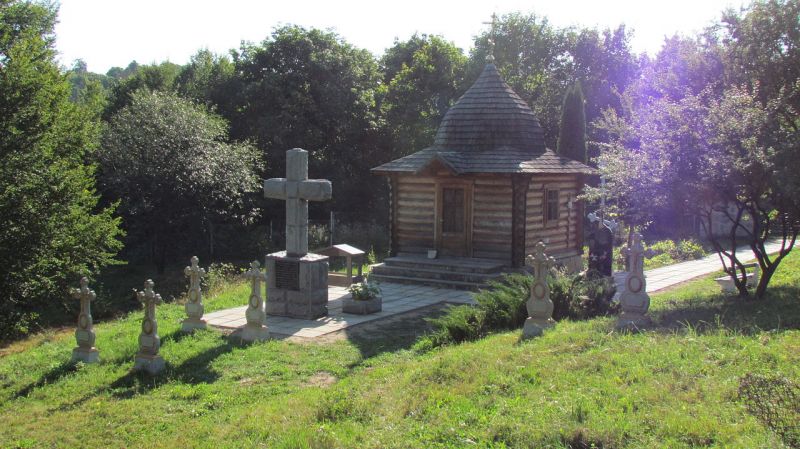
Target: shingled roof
489 115
498 160
490 129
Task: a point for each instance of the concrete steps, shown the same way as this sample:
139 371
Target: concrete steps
450 272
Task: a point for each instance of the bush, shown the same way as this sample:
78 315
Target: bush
664 247
690 249
502 307
582 296
775 401
364 291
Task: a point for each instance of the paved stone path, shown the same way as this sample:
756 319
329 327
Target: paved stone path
663 277
397 299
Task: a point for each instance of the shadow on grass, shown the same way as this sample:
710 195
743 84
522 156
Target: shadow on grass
194 370
393 333
778 311
49 377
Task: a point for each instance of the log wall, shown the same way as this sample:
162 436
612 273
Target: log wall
491 218
414 214
563 236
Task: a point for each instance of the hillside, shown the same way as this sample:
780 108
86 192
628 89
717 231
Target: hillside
581 385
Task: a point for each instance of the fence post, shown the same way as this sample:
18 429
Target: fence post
332 228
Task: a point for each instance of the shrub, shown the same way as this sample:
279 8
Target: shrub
690 249
775 401
364 291
581 296
502 307
664 247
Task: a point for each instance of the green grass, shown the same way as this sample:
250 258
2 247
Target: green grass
579 385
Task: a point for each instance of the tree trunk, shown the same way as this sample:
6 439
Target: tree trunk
763 281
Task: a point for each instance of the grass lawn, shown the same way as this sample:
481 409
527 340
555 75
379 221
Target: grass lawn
579 385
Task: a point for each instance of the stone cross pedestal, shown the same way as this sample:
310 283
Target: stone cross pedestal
539 305
148 358
194 305
255 330
297 282
84 334
634 300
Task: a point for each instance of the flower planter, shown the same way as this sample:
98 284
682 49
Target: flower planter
362 307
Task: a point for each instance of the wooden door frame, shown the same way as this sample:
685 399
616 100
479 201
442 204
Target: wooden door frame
468 186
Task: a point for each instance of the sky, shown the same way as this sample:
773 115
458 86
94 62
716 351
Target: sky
109 33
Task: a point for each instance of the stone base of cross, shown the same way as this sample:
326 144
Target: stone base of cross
297 281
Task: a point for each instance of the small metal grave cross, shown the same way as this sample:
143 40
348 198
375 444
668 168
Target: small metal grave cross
297 190
493 23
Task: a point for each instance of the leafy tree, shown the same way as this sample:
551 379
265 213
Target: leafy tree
572 135
711 155
310 89
161 77
207 79
422 78
540 62
51 231
168 162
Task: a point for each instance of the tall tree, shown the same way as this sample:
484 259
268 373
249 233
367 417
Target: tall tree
541 61
572 134
422 78
169 164
51 231
157 77
310 89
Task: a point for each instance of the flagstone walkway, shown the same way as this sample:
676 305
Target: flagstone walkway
397 299
663 277
401 298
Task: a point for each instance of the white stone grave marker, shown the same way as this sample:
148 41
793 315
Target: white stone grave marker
148 358
255 330
84 334
539 305
194 306
634 299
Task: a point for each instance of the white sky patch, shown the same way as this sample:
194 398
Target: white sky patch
108 33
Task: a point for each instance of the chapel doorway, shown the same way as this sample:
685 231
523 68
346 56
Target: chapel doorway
454 219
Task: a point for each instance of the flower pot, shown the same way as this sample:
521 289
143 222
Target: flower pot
358 307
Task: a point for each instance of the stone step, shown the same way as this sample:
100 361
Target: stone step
455 285
454 264
437 274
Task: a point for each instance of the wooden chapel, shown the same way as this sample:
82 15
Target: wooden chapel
487 188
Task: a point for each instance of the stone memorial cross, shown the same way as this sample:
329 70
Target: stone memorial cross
194 306
539 305
255 330
297 190
634 299
148 358
84 334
